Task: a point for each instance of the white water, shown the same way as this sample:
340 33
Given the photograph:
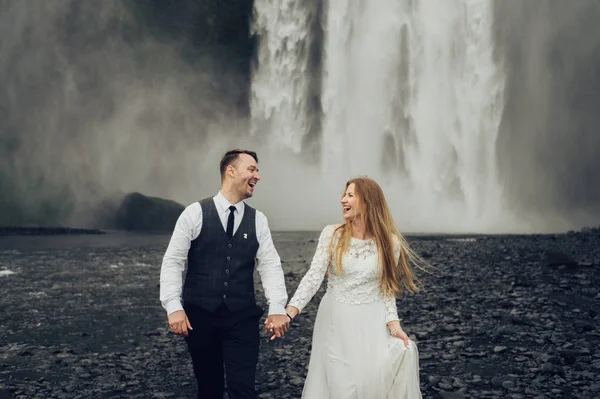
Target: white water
280 84
409 81
455 104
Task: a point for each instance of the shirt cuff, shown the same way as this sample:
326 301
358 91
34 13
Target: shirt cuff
173 306
390 318
276 308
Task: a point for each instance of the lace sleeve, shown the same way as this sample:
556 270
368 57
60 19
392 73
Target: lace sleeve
313 278
391 311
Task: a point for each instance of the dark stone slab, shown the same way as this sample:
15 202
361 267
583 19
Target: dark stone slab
44 231
138 212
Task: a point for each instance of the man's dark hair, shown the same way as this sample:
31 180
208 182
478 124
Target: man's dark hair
231 156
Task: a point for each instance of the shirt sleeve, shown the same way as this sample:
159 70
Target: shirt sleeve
186 229
269 267
312 280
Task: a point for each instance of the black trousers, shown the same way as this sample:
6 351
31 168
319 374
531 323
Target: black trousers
224 342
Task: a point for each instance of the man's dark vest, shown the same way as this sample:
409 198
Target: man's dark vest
220 270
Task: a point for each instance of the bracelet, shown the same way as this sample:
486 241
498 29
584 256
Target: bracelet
290 317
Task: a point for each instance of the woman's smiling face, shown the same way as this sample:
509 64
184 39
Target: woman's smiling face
351 206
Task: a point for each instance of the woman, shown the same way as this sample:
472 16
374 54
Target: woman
359 349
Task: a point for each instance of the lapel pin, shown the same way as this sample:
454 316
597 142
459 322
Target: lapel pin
245 235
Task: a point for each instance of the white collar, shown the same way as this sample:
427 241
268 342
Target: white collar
223 204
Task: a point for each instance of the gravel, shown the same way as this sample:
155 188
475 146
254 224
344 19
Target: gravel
500 317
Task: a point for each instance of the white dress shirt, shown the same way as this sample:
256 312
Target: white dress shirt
186 230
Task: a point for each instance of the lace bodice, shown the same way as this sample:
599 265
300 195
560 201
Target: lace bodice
360 281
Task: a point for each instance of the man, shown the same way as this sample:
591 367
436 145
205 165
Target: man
221 238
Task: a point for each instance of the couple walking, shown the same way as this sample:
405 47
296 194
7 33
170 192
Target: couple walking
359 349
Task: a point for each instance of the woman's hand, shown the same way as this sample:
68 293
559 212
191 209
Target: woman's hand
292 311
397 332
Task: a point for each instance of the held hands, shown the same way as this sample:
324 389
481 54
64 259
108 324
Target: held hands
284 320
397 332
292 311
277 324
179 323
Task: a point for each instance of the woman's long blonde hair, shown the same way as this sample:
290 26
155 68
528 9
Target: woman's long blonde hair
379 223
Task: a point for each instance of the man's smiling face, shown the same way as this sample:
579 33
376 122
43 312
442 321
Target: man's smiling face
246 175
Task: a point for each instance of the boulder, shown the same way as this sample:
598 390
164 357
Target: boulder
138 212
559 258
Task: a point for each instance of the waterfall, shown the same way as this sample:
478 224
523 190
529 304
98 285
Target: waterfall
280 98
410 94
452 106
405 91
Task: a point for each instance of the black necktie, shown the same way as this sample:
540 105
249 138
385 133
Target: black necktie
230 222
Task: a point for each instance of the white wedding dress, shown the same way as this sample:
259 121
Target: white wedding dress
353 355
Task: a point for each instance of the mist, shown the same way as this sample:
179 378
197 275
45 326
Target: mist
549 142
99 101
105 98
102 98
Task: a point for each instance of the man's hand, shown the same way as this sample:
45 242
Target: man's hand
179 323
397 332
277 324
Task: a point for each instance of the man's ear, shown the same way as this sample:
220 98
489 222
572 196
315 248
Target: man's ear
230 170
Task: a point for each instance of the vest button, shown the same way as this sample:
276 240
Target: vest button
225 283
229 258
226 270
230 245
224 296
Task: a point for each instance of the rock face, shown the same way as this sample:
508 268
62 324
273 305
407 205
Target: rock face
138 212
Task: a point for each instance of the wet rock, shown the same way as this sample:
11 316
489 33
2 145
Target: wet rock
494 322
45 231
138 212
450 395
445 386
558 258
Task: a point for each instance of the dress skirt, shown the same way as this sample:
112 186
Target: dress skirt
354 356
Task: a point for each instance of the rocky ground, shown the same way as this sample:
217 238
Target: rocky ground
501 317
